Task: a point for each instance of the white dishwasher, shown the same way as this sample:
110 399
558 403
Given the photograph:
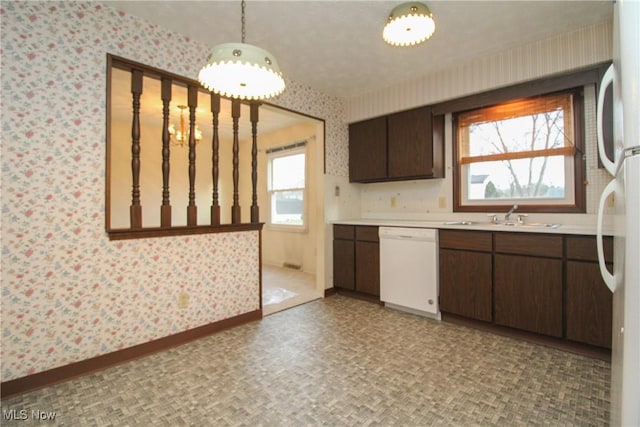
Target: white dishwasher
409 269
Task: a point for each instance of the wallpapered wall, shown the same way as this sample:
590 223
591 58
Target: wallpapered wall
68 293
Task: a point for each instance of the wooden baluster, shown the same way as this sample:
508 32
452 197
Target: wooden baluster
215 148
235 209
192 209
255 211
165 209
135 210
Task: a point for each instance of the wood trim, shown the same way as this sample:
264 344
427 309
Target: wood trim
324 128
254 116
215 158
135 210
562 151
77 369
580 202
329 292
127 234
192 102
235 209
165 208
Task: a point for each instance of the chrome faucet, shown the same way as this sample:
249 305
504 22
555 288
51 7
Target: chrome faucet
508 214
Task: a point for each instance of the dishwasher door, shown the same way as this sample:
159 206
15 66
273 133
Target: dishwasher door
409 269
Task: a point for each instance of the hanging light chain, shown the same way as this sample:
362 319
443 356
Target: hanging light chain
242 4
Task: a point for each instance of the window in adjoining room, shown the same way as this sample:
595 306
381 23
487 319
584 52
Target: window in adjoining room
520 152
286 186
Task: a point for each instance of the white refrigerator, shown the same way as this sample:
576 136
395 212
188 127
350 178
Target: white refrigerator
624 281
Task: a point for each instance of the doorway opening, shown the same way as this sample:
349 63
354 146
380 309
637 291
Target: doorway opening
291 196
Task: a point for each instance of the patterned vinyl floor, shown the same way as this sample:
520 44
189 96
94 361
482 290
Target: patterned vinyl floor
337 362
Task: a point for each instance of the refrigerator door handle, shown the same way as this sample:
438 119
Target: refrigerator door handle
607 80
609 279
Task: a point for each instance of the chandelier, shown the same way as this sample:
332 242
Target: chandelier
241 70
409 24
181 136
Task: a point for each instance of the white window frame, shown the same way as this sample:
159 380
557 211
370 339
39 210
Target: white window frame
286 151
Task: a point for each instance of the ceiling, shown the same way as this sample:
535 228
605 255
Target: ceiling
336 47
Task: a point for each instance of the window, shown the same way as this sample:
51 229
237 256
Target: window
519 152
286 185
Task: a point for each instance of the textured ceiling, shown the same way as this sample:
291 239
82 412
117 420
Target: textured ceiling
336 47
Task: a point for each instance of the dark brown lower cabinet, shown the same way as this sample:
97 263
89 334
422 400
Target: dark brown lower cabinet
589 305
465 283
465 269
588 302
344 264
528 293
356 259
368 267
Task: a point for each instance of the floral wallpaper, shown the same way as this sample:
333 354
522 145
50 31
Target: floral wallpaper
68 293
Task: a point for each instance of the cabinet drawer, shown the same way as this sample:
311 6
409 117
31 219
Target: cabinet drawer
344 232
366 233
545 245
583 248
470 240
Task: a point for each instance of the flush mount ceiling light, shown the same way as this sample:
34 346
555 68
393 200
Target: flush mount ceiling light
242 71
409 24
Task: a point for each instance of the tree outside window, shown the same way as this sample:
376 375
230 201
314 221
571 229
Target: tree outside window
518 152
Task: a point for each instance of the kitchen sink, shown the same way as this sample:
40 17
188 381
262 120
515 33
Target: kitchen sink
505 224
527 225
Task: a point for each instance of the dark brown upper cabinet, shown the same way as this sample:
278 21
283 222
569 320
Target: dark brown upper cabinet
368 150
401 146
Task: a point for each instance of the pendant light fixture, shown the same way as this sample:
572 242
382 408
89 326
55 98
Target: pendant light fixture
409 24
241 70
180 136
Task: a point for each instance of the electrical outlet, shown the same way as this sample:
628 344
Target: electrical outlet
442 202
392 201
183 300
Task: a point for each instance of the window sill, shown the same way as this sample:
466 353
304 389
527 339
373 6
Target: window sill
287 228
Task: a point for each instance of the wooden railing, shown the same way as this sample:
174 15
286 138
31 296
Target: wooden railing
167 82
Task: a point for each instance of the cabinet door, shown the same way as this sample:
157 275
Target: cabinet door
410 145
368 267
528 293
465 283
588 305
368 150
343 264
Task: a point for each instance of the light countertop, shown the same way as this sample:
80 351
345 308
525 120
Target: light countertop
473 225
